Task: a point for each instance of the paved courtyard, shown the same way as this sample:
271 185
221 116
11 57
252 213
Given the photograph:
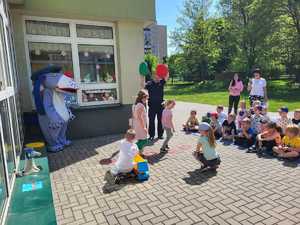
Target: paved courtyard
246 189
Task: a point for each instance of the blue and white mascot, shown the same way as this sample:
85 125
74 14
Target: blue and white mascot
49 88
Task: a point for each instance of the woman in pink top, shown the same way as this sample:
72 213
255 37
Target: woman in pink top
139 117
167 122
235 88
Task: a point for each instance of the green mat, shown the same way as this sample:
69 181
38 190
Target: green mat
32 202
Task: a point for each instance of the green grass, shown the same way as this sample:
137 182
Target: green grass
280 92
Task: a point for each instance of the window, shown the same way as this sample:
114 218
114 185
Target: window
85 48
5 80
88 31
9 124
47 28
7 137
15 125
96 64
100 95
43 54
3 191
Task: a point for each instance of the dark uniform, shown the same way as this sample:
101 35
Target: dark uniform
156 98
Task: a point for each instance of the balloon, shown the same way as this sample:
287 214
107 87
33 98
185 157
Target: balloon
144 71
162 71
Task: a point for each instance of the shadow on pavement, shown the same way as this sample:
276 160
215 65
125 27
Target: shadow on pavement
156 157
80 150
109 160
197 177
151 143
110 185
293 163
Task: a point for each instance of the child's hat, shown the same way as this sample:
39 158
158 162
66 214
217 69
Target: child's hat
204 126
284 109
215 114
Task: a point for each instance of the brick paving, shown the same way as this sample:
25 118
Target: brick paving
246 189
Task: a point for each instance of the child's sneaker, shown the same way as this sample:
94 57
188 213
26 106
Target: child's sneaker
163 150
252 149
167 147
204 168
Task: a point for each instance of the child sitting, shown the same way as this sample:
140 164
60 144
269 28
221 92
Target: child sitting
167 122
192 123
264 112
290 146
296 119
229 128
206 148
256 119
255 103
268 139
128 150
221 115
264 125
206 118
245 137
215 125
283 121
242 113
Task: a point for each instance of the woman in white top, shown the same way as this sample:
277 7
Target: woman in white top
257 87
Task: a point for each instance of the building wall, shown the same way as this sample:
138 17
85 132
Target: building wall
158 38
112 10
131 53
129 21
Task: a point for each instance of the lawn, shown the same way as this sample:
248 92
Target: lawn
280 92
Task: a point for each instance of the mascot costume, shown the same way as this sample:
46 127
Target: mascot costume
49 89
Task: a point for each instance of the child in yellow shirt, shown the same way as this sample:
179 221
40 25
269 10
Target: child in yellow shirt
290 147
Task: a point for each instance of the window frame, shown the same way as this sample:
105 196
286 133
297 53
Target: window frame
9 91
75 42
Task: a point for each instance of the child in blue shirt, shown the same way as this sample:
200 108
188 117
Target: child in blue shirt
246 135
206 148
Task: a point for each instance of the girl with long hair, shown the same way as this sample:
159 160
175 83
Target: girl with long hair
139 119
206 148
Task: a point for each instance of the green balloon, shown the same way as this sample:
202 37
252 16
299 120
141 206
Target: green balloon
144 71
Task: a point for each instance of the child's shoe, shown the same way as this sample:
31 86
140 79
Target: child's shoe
203 168
167 147
163 150
252 149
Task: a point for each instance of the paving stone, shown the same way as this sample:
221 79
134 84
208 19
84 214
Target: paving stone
246 190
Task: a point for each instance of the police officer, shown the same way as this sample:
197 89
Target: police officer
155 88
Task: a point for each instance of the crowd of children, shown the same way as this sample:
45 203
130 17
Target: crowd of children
251 129
255 131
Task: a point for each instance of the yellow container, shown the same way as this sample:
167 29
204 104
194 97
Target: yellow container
36 145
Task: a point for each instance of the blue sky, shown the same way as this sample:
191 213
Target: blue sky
167 12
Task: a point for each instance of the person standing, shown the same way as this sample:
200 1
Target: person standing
139 119
155 88
167 121
257 88
235 88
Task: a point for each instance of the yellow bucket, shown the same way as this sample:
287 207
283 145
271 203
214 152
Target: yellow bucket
35 145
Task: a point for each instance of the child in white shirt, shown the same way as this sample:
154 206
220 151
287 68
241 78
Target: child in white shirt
256 119
283 121
221 115
128 150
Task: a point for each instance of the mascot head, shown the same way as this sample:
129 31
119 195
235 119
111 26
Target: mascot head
51 77
60 82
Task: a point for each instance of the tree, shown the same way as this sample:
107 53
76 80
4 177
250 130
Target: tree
252 22
245 34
